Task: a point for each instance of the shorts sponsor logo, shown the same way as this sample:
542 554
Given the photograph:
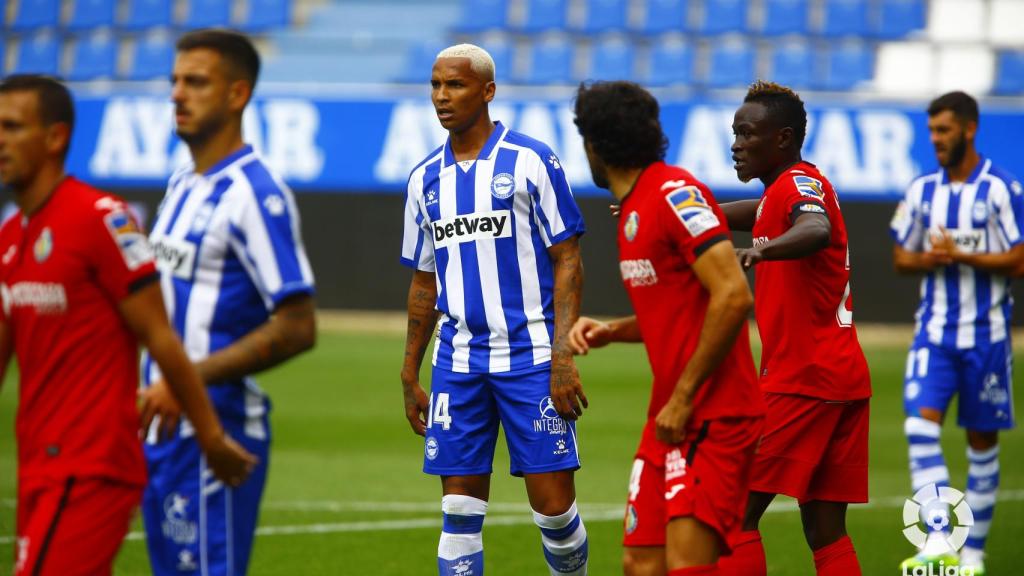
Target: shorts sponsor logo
992 392
675 465
134 247
631 519
692 209
549 420
503 185
632 226
638 272
942 512
561 447
176 526
431 448
43 246
45 297
175 257
471 227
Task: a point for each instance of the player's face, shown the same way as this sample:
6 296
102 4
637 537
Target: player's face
598 171
23 138
753 148
949 137
459 94
204 94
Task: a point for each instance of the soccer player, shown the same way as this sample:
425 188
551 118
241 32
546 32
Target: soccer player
79 293
689 479
813 372
491 231
961 228
239 291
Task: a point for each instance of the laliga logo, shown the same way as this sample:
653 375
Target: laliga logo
931 505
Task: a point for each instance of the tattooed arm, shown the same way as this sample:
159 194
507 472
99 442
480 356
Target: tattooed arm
566 390
422 319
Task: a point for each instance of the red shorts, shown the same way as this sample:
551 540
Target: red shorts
813 449
73 527
705 477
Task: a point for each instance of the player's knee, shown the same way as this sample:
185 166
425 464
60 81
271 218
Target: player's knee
931 414
979 440
642 563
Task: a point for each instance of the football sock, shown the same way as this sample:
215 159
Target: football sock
709 570
747 558
565 542
927 465
461 549
837 559
982 485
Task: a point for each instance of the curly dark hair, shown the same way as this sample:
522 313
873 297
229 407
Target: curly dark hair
783 106
620 121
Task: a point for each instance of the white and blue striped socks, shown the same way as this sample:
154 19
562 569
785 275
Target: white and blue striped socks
565 542
461 548
982 484
927 465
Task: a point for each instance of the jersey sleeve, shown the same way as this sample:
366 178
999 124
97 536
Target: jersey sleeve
417 238
906 227
1009 212
802 194
553 202
117 249
692 221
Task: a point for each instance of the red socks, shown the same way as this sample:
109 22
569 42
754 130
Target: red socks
747 558
837 559
710 570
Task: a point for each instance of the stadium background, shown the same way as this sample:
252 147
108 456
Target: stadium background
342 112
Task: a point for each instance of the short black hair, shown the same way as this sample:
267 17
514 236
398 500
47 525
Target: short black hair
621 122
783 106
233 46
55 103
961 104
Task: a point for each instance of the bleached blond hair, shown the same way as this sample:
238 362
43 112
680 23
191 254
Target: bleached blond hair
479 60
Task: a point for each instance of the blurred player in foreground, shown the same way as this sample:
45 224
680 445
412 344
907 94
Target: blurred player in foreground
813 372
239 290
491 230
961 228
689 480
80 294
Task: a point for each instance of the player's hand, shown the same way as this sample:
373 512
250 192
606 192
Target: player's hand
229 461
670 424
157 400
588 333
615 209
944 248
566 390
749 257
416 406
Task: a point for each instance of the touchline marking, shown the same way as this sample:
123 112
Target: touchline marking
596 512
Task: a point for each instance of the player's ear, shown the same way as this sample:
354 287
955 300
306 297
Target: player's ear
489 90
58 138
785 138
239 94
970 129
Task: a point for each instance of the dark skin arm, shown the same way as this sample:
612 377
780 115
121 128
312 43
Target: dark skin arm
422 320
566 389
589 333
740 214
909 262
809 234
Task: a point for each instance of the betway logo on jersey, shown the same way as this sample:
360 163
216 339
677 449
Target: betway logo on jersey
175 257
45 297
472 227
638 272
972 241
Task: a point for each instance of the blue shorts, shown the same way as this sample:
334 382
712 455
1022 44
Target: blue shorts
465 410
980 377
206 531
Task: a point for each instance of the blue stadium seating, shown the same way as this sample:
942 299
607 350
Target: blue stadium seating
663 16
38 54
208 13
847 64
724 16
88 14
1010 73
35 14
611 59
793 64
897 18
551 62
784 17
481 15
266 14
501 53
152 58
604 15
732 64
545 15
419 62
148 14
671 62
845 18
94 57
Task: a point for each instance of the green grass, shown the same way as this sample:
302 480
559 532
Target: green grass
342 444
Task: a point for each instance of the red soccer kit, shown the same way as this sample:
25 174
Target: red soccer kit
667 221
813 371
62 272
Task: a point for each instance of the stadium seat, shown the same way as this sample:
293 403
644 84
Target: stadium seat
725 16
35 14
784 17
847 64
793 64
500 50
94 56
898 18
732 64
1010 73
845 18
263 15
38 54
969 68
88 14
671 62
144 14
905 68
1004 22
611 59
957 20
602 16
550 61
152 58
480 15
663 16
419 61
545 15
208 13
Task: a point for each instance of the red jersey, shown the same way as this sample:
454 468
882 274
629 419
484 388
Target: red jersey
62 272
666 222
804 308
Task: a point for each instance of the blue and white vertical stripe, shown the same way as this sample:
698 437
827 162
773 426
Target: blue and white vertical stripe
483 227
962 306
927 463
982 486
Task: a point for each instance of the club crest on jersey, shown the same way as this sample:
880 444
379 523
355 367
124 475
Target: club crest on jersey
692 209
632 226
503 185
979 211
809 187
43 246
202 218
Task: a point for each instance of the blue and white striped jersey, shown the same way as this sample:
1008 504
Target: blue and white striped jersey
962 306
228 250
483 227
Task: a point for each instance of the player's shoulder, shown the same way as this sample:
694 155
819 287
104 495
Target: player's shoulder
917 184
434 156
251 177
534 148
804 179
89 201
1000 176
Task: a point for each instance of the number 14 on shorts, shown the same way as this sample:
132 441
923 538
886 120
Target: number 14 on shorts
438 411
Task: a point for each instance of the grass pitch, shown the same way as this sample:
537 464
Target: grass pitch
346 495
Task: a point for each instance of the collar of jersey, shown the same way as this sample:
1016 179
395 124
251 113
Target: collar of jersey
485 153
228 160
980 169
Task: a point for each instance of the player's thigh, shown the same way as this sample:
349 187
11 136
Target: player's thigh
842 475
643 561
462 425
930 378
985 394
690 542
